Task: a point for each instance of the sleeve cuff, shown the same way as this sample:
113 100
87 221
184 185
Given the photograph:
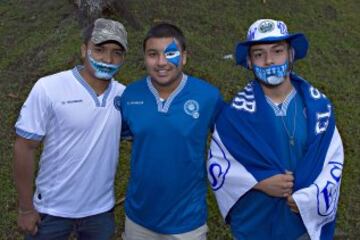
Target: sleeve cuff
28 135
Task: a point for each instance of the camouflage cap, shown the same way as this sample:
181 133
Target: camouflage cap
109 30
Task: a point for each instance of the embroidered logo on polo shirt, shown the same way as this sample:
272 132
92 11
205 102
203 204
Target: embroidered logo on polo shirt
71 101
117 102
191 107
135 102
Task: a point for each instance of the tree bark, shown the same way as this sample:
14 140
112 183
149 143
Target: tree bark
89 10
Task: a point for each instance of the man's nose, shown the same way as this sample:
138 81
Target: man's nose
162 60
269 60
107 57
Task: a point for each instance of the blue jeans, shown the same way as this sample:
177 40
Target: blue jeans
97 227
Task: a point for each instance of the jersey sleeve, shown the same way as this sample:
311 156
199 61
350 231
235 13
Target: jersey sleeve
126 133
219 104
32 120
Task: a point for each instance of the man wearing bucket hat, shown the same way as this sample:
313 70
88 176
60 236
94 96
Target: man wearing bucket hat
73 114
276 156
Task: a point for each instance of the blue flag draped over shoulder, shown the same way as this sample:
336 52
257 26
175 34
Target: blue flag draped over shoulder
241 156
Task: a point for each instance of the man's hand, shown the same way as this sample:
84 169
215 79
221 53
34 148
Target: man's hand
292 204
279 185
28 222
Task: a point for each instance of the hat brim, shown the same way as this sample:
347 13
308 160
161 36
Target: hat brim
297 41
102 39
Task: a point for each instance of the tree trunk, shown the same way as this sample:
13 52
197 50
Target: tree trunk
89 10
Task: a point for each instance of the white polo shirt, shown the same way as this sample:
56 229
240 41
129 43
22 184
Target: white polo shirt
81 135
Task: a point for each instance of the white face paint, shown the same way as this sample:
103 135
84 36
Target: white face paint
103 70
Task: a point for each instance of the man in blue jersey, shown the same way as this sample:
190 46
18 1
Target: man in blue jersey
73 114
169 115
276 157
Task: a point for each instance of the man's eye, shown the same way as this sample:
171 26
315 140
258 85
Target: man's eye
119 53
171 54
98 50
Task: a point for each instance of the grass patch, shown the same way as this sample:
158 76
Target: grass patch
43 37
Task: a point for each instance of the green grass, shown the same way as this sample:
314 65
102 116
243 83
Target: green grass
43 37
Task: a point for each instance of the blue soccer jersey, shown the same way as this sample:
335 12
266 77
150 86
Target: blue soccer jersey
167 187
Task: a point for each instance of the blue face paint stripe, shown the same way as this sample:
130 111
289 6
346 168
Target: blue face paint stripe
172 53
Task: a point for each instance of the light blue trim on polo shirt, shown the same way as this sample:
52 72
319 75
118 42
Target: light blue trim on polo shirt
28 135
89 89
281 109
106 94
164 106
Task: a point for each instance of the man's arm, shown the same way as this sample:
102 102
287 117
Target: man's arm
24 164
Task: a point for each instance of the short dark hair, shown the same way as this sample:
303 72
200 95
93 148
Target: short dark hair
164 30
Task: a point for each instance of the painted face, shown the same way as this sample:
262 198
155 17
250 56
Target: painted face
270 62
272 75
104 60
104 71
172 53
164 61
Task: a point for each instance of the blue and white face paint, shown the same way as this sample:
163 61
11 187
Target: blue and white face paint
172 53
104 71
272 75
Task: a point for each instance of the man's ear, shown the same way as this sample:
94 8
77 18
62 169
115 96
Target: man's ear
292 54
183 58
83 51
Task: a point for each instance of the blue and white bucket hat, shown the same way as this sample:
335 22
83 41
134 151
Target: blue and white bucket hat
269 30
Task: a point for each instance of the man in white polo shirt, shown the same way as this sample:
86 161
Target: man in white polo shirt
74 114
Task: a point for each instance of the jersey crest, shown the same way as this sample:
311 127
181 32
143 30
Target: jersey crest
191 107
117 102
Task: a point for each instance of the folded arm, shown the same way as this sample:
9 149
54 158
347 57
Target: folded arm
279 185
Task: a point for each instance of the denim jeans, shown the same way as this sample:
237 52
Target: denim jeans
97 227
